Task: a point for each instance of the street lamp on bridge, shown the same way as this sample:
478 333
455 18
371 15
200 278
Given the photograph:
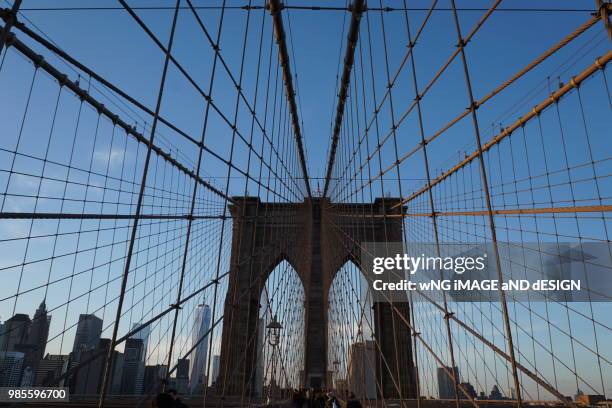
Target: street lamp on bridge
336 364
273 328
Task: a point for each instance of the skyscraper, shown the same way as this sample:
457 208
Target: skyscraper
15 331
89 330
36 344
153 376
11 363
199 337
133 367
361 378
117 374
39 330
182 376
88 379
15 337
49 368
446 385
216 363
142 334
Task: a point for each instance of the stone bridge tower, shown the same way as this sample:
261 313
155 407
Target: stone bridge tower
317 239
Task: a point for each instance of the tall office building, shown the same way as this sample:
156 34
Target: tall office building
88 380
361 369
35 344
153 377
89 377
89 330
446 385
133 367
216 363
39 330
49 368
11 363
117 374
182 376
15 331
199 337
15 337
142 334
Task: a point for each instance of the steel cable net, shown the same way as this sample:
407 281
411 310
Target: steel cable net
121 216
117 206
517 158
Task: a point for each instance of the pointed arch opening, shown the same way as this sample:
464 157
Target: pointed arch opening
350 334
280 337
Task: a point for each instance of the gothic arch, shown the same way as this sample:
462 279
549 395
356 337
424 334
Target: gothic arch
311 245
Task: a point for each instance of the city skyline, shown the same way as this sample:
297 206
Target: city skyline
131 375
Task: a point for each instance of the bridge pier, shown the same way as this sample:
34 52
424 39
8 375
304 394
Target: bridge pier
310 243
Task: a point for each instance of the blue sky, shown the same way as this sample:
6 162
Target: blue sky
112 44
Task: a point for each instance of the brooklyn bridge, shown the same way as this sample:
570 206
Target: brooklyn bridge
191 193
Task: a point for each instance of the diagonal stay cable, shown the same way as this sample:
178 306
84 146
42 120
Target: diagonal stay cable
279 32
349 59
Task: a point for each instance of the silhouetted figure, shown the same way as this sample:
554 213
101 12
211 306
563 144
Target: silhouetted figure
332 401
177 401
297 400
353 402
320 403
164 400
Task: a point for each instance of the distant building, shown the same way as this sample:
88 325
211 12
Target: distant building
49 368
15 331
27 376
27 372
182 369
142 334
361 369
512 393
495 393
469 389
36 344
589 400
133 367
39 334
115 388
11 363
88 379
181 381
199 339
153 376
29 337
216 363
446 385
87 337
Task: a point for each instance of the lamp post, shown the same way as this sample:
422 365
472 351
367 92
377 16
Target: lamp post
274 328
336 364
